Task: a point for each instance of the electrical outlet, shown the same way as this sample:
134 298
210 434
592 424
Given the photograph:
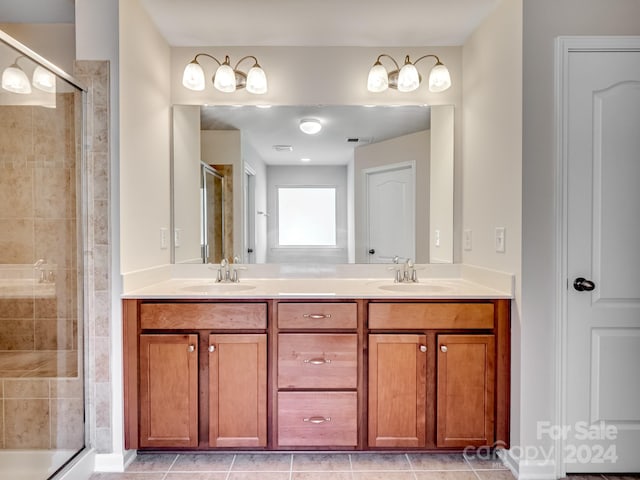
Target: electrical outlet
164 238
437 239
500 240
467 240
177 236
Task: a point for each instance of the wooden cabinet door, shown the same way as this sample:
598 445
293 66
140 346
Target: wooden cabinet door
397 390
168 390
238 390
466 390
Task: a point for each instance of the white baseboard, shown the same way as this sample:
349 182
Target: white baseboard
81 468
114 462
528 469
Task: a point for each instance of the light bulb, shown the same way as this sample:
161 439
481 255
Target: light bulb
256 80
44 80
15 80
310 126
225 79
439 78
193 76
378 80
408 78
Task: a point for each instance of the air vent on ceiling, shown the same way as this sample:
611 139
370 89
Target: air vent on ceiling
283 148
359 139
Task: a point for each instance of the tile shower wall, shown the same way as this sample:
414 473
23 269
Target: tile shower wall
94 75
38 221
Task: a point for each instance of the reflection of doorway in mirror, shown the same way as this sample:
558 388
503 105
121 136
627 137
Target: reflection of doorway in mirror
249 216
226 171
213 204
390 205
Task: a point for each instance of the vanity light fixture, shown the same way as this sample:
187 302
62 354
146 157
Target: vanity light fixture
226 79
407 78
310 126
15 80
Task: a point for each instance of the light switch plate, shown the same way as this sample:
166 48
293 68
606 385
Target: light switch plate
467 239
500 240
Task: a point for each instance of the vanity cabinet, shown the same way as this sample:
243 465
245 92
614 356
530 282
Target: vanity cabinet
317 374
195 374
168 390
437 376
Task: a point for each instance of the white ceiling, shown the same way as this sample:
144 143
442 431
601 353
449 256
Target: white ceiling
261 129
317 23
367 23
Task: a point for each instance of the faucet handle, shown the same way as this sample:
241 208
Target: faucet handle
224 262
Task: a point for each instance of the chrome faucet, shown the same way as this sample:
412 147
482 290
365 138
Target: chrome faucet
228 273
406 273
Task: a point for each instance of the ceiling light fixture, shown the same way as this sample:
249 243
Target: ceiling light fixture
407 78
226 79
15 80
310 126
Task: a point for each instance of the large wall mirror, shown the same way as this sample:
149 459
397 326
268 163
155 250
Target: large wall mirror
374 185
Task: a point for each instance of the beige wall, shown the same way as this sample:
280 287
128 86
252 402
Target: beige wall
492 158
55 42
186 166
144 140
441 181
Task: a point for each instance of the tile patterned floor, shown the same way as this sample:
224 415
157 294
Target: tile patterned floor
310 466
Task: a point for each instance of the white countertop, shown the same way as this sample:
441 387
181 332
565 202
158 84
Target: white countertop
462 282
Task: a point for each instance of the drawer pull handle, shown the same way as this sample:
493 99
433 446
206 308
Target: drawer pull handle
317 361
317 420
212 348
191 348
423 348
443 348
317 316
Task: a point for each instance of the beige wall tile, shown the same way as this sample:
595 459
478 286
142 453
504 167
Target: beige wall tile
26 423
26 388
56 241
16 334
16 308
16 241
54 334
16 192
67 423
66 387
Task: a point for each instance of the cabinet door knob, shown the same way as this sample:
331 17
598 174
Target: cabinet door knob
317 420
316 361
443 348
192 348
212 348
423 348
317 316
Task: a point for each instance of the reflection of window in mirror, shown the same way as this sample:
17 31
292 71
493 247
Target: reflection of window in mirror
307 216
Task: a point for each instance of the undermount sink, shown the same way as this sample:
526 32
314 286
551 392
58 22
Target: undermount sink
415 288
213 288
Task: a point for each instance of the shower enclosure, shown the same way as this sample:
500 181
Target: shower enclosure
42 405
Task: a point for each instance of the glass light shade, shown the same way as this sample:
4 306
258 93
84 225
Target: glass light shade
256 81
310 126
378 80
15 80
225 79
44 80
439 78
193 76
408 78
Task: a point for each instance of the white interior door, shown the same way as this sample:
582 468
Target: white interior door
603 247
391 212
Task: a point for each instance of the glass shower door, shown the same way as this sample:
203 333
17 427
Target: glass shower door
41 267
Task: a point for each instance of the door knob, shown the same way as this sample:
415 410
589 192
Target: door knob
583 285
372 251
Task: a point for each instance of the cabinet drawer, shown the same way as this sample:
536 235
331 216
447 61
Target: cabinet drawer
317 419
317 315
193 316
317 360
430 315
